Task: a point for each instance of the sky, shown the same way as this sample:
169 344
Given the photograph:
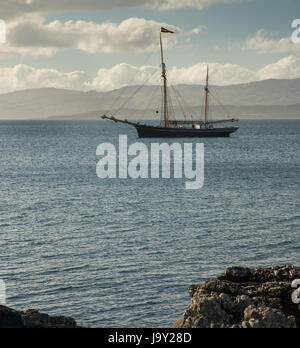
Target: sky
103 45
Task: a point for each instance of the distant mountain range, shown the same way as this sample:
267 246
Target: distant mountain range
270 98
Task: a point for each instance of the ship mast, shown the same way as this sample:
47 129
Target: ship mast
206 98
164 76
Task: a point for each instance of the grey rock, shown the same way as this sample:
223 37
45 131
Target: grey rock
10 318
238 274
35 319
265 317
244 298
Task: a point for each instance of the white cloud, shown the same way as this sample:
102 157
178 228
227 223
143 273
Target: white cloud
286 68
197 30
24 77
175 4
16 8
263 44
220 74
125 74
31 36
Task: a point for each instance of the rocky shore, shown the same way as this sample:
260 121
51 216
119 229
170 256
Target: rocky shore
10 318
239 298
244 298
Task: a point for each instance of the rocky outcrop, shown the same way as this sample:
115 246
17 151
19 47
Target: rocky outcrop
244 298
10 318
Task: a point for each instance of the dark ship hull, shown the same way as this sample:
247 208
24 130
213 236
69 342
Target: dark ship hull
145 131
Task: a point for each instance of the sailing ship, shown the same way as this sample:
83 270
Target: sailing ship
180 128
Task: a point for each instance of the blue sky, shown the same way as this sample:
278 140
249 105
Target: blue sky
223 39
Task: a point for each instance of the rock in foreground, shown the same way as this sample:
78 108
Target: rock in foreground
10 318
244 298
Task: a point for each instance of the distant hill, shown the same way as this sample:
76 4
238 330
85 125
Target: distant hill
270 97
278 111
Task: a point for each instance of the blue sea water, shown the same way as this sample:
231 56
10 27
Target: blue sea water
122 253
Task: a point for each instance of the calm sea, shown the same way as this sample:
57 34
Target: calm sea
122 253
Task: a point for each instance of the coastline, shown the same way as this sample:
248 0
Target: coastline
240 298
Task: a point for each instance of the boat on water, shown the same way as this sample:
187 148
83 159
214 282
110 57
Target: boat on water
181 128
